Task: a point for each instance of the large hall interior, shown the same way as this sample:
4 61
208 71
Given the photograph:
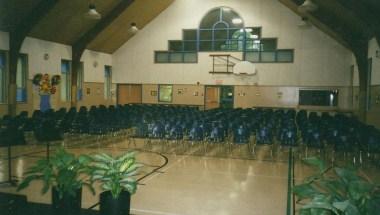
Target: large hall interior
189 107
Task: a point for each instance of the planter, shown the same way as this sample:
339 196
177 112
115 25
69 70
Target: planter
68 205
111 206
44 102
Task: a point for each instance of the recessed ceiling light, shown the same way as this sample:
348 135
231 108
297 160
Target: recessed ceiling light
92 13
237 21
308 6
256 41
254 36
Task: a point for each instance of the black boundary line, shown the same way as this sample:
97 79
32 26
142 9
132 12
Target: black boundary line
290 202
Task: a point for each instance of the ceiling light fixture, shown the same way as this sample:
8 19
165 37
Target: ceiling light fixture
92 13
133 29
304 23
307 6
237 21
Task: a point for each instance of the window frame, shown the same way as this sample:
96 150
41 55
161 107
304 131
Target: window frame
107 82
5 81
25 78
159 93
68 81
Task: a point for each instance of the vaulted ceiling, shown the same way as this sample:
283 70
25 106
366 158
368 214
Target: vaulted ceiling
350 22
66 23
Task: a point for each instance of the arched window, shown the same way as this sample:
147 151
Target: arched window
218 31
222 29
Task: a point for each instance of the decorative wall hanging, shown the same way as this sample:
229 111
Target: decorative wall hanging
46 87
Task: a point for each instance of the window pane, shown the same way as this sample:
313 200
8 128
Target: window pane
190 34
65 80
190 57
165 93
80 80
318 97
21 78
252 45
220 34
190 45
252 56
176 57
107 82
175 45
205 35
210 18
162 57
285 55
268 56
205 46
268 44
3 83
221 45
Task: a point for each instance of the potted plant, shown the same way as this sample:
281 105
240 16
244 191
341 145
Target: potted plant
116 175
337 191
66 174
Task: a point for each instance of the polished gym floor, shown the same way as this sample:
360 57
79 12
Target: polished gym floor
181 179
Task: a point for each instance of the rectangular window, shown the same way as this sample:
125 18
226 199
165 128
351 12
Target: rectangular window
21 78
176 57
165 93
175 45
190 46
252 56
190 34
3 77
80 81
107 82
65 80
190 57
268 57
162 57
286 56
268 44
319 97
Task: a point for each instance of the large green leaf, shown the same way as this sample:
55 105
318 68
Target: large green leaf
304 191
359 189
314 161
346 175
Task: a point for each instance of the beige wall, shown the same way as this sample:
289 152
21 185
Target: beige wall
373 115
319 59
36 49
285 96
182 94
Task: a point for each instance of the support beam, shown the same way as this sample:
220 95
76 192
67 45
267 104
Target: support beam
80 45
361 55
16 38
319 24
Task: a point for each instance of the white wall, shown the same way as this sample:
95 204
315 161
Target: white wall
373 46
319 59
36 49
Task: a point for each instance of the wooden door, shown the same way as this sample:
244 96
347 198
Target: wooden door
212 98
129 94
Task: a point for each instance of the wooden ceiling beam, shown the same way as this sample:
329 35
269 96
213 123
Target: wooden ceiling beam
16 37
320 25
80 45
364 13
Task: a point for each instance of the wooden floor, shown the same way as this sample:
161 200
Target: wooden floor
181 180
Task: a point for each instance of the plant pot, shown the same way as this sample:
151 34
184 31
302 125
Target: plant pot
68 205
45 102
111 206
